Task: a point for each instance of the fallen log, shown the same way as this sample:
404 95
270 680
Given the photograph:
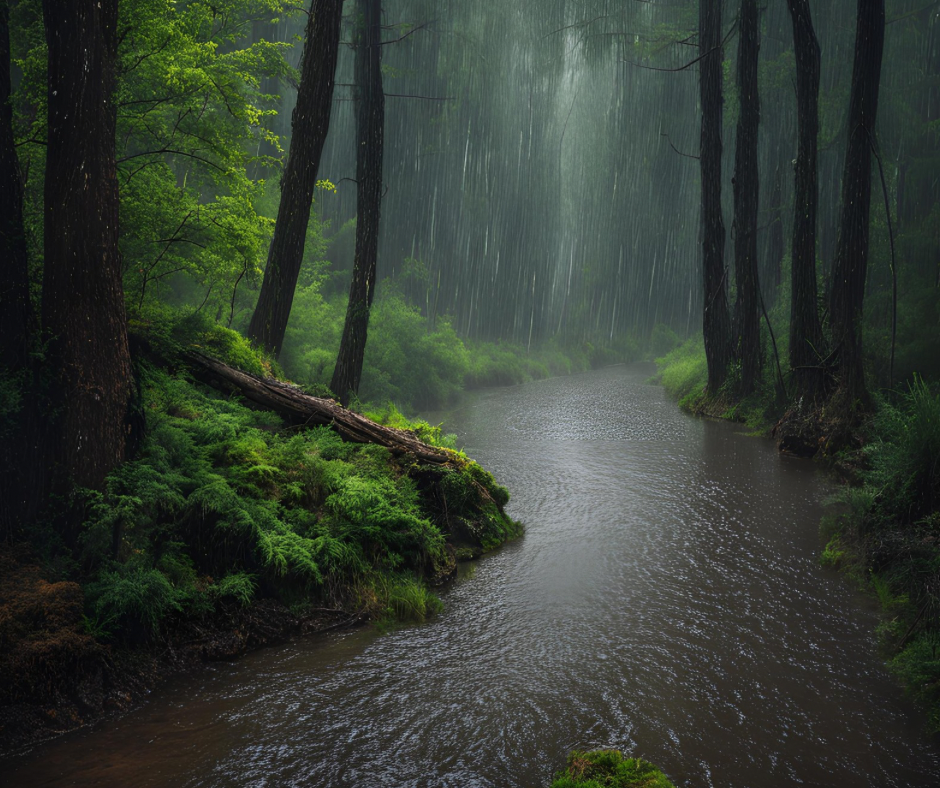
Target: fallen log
299 408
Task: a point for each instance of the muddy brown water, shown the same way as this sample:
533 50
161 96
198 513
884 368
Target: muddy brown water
666 600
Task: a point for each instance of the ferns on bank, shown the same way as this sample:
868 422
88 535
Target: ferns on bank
222 503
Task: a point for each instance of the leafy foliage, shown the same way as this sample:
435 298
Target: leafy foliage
609 769
222 503
219 491
889 530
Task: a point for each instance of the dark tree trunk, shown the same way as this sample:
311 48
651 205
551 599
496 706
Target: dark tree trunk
847 291
805 330
716 326
82 300
746 190
310 124
16 312
775 244
370 122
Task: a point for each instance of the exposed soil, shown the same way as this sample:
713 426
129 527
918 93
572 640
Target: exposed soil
54 677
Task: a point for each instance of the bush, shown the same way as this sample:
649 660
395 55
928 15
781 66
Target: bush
133 600
609 769
892 525
906 455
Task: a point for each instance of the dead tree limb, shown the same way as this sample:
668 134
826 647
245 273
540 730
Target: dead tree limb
297 407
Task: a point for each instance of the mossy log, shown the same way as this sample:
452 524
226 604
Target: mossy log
463 500
297 407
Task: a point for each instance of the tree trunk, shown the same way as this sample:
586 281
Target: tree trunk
16 311
370 122
746 194
82 300
805 330
773 270
310 124
716 326
847 291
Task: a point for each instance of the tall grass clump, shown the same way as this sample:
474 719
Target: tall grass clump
609 769
683 371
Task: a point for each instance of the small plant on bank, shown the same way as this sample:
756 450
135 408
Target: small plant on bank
609 769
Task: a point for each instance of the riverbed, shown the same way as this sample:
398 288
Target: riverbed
666 600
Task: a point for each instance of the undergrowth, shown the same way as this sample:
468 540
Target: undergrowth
683 373
225 503
886 534
420 364
609 769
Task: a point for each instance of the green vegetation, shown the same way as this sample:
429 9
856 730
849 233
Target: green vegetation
609 769
224 503
887 535
683 372
420 364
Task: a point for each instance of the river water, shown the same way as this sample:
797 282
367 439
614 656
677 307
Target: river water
666 600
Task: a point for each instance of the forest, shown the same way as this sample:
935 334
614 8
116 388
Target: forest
252 248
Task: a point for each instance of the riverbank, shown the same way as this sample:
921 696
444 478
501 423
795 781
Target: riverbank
666 601
229 530
885 532
55 677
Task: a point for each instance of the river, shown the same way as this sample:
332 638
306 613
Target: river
666 600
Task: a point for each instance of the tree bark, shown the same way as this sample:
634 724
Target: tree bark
716 325
310 124
17 321
773 270
82 299
370 122
746 195
805 330
296 407
847 290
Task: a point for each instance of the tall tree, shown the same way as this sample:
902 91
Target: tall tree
805 329
716 321
83 315
370 130
16 312
847 290
310 124
746 191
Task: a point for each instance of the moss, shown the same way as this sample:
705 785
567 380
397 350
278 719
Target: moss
609 769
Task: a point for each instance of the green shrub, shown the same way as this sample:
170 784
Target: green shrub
134 600
906 456
918 666
239 586
609 769
221 491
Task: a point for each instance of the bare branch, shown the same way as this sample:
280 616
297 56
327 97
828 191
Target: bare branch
693 62
687 155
